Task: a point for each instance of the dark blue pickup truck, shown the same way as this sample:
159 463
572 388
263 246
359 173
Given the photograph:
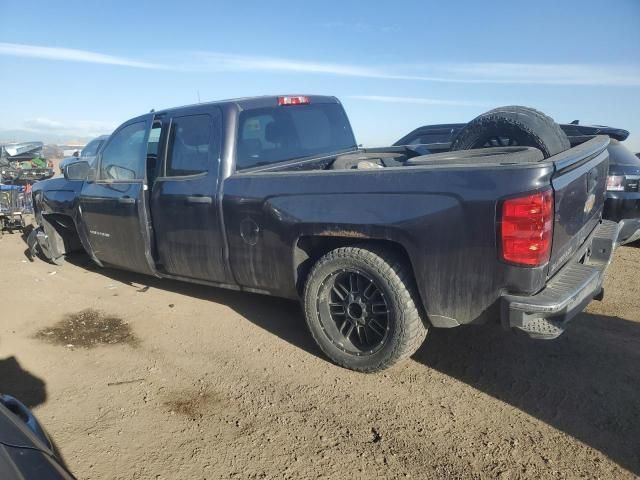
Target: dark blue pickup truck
272 195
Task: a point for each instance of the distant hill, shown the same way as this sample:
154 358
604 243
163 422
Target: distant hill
7 136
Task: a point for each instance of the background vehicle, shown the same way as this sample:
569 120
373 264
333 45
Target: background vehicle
14 203
26 453
623 191
22 163
88 153
272 195
622 202
442 135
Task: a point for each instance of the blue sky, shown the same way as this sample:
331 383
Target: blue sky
76 69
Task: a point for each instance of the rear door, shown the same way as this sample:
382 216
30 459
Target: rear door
184 202
113 207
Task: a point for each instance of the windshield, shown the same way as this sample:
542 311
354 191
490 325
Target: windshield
91 149
275 134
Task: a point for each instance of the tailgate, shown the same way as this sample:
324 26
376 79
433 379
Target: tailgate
579 185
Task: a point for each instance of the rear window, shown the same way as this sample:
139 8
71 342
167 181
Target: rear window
275 134
620 155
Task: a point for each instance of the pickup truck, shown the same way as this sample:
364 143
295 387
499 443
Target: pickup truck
272 195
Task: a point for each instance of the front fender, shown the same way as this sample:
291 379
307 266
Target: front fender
58 197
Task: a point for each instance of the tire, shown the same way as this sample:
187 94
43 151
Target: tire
513 125
371 325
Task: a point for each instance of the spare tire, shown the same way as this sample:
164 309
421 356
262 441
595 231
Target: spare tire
513 126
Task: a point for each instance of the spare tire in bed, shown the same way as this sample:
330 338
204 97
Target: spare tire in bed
511 126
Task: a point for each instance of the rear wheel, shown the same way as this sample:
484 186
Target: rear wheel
362 309
513 126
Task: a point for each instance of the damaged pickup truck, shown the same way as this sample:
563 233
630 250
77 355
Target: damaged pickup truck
272 195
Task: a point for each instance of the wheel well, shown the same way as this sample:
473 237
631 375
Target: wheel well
309 249
61 229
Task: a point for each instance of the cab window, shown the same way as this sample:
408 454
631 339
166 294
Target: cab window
189 145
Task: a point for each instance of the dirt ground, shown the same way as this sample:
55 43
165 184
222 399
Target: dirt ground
137 378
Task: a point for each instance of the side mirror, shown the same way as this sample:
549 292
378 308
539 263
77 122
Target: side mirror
76 170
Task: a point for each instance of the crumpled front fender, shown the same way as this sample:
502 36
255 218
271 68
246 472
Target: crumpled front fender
38 242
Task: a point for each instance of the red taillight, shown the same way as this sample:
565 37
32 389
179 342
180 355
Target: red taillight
297 100
526 229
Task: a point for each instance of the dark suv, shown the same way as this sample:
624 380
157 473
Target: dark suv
623 191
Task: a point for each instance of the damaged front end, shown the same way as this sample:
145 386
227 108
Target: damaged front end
54 234
40 245
38 242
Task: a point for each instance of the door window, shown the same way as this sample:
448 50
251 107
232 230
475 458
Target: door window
124 157
189 145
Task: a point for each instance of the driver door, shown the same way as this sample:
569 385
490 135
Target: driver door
113 207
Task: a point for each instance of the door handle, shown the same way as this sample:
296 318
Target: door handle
127 200
199 199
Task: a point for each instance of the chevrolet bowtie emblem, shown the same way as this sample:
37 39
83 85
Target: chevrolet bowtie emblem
588 205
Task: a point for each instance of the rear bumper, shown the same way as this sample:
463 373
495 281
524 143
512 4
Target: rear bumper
567 293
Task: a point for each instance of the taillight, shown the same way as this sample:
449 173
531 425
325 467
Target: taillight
615 183
526 229
297 100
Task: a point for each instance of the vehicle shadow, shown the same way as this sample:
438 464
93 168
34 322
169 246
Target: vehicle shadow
635 244
21 384
28 389
586 383
279 316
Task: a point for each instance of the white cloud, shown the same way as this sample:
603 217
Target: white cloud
215 61
71 55
87 128
489 72
539 73
42 124
495 73
419 101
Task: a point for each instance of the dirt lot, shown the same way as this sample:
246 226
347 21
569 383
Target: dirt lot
137 378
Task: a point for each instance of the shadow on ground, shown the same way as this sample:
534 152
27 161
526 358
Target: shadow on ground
28 389
586 383
279 316
21 384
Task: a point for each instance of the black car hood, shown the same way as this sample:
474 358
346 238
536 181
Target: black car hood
25 453
57 183
14 432
27 463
